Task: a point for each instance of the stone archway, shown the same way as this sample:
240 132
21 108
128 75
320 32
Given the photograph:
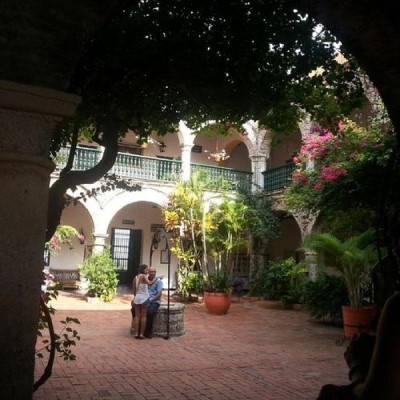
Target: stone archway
288 242
69 257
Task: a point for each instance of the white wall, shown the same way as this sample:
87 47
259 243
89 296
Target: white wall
67 258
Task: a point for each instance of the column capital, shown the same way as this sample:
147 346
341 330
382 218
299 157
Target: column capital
30 115
305 221
28 98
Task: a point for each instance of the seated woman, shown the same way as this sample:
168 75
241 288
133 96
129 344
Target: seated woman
141 300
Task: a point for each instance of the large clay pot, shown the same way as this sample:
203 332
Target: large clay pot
356 320
217 303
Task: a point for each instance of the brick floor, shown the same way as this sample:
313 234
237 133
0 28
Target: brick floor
253 352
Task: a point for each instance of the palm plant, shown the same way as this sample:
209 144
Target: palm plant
224 239
353 258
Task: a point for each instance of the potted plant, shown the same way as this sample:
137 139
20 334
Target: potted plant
217 292
226 237
353 258
208 238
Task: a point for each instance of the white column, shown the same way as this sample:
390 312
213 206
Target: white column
29 116
186 140
186 157
99 242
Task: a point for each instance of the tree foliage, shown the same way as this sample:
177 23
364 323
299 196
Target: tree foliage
158 62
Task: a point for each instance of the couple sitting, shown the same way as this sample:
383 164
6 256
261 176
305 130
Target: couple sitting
147 290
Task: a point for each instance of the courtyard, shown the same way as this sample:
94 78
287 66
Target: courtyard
253 352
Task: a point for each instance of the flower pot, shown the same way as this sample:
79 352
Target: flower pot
356 320
217 303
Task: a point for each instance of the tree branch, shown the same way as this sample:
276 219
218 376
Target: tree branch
49 367
69 179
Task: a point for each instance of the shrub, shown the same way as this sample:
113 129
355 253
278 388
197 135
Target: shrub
325 297
190 284
283 280
101 273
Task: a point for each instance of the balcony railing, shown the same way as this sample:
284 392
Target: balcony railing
219 174
148 168
141 167
278 178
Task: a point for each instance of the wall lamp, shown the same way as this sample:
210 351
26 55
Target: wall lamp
81 237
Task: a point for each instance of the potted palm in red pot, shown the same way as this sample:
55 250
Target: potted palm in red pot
217 293
353 258
226 237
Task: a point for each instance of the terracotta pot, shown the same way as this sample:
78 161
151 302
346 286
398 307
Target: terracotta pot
217 303
356 320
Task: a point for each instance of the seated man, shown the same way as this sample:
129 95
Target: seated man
155 292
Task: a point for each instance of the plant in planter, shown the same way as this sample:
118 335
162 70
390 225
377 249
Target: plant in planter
354 259
225 240
217 292
100 270
187 220
207 238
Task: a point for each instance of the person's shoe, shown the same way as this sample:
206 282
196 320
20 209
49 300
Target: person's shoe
148 336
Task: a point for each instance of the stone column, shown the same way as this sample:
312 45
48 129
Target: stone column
29 116
306 222
311 262
99 242
258 165
258 142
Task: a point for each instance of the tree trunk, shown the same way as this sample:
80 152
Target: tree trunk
28 118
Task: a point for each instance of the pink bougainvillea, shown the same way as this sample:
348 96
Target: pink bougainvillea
326 157
331 173
316 145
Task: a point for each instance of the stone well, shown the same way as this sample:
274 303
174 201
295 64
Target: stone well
176 320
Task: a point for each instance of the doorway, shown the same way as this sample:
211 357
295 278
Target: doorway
126 245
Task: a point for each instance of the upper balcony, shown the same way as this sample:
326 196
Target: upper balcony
142 168
278 178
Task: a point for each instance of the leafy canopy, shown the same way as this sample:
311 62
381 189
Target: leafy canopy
158 62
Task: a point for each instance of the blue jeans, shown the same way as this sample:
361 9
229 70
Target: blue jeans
151 313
